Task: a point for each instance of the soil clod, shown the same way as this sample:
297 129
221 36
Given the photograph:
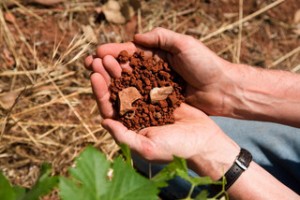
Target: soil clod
159 87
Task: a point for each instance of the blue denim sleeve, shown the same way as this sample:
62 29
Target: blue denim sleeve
274 146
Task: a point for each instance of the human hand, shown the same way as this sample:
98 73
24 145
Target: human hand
202 69
192 133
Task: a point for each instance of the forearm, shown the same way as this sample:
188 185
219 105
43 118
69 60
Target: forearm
254 183
265 95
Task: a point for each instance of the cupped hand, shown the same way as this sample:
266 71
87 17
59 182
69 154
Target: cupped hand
202 69
191 134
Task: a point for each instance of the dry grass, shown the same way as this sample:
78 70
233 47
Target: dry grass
46 105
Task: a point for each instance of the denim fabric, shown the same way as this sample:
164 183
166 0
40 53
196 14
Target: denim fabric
275 147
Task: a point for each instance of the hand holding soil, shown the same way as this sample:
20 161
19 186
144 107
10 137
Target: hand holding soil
113 79
203 71
146 95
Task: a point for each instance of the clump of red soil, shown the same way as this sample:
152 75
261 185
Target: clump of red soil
148 94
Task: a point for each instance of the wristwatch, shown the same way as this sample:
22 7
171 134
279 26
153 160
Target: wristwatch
240 164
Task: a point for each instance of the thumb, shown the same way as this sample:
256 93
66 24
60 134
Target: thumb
120 133
161 38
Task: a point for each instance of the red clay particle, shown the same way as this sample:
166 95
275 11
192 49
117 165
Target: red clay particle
146 74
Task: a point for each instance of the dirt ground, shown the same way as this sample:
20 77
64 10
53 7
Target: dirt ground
47 110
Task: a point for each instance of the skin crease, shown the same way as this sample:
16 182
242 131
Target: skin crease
215 87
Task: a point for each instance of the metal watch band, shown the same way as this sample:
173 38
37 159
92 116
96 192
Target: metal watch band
241 163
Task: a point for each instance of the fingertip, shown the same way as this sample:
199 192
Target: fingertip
160 38
142 39
137 36
150 38
112 66
98 67
119 132
88 62
95 77
102 95
99 85
114 49
113 126
101 50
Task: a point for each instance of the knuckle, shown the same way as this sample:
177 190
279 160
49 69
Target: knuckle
147 151
190 39
158 29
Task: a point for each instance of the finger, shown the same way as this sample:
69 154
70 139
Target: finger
101 92
187 112
121 134
114 49
97 67
161 38
88 62
112 66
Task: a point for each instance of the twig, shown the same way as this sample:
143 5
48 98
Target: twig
239 43
184 22
230 45
181 13
17 73
297 68
40 83
26 10
48 132
77 44
139 17
9 112
8 38
52 124
247 18
173 15
50 102
73 109
281 59
26 131
22 139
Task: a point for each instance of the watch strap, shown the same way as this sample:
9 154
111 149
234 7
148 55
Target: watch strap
240 164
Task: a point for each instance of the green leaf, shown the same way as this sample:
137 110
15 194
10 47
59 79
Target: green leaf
19 191
90 181
126 152
70 190
43 186
198 181
90 177
6 191
179 164
128 184
202 195
176 167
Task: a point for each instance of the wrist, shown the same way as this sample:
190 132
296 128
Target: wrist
216 158
240 94
246 96
228 87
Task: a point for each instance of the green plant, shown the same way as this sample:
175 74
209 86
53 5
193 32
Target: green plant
96 178
44 185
